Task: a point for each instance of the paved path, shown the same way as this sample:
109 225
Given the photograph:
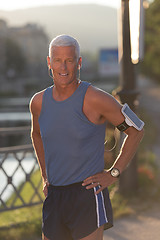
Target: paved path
145 225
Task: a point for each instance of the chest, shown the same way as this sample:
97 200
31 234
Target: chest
92 112
66 123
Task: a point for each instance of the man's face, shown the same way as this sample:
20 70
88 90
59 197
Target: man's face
63 63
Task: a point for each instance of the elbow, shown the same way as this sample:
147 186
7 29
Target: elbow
34 135
142 132
135 134
139 135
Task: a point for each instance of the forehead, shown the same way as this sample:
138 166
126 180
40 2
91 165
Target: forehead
63 51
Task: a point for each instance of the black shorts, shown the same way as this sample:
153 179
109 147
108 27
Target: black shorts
73 212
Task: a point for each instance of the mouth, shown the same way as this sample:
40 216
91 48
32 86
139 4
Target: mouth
63 74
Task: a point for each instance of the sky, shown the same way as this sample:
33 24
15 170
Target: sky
10 5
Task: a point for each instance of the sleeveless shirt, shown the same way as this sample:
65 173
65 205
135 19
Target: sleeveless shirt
73 145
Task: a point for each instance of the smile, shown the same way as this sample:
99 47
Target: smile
63 74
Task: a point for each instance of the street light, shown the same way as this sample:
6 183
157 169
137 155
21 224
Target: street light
136 13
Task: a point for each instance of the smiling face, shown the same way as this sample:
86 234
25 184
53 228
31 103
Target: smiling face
64 64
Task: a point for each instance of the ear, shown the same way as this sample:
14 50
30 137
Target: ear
48 62
80 63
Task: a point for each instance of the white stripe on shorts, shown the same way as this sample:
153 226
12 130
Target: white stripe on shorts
104 207
97 208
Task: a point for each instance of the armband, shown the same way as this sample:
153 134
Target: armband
123 126
131 119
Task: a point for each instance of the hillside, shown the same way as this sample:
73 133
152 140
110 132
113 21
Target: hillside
94 26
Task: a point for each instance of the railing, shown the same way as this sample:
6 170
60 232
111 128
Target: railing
14 130
18 166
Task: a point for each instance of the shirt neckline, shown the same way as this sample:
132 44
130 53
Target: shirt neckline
67 99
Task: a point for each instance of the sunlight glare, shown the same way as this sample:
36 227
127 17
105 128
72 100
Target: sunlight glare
134 7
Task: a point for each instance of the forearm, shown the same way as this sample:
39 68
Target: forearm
128 150
39 150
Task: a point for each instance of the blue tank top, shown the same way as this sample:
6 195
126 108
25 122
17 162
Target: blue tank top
73 146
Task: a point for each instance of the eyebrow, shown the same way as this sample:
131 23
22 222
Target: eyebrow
69 58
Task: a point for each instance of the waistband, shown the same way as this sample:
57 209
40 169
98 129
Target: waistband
78 184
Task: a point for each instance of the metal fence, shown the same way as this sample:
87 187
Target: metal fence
20 181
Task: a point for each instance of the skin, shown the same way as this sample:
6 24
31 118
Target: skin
64 61
64 65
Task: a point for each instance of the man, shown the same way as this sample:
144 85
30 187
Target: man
68 133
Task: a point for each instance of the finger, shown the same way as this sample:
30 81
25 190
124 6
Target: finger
45 193
92 185
93 178
89 180
99 190
45 190
47 183
87 183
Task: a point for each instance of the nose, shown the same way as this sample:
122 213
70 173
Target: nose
63 66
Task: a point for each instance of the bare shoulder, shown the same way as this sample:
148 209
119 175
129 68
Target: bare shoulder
103 105
99 97
36 102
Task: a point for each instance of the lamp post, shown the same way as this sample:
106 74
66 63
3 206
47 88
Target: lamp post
128 92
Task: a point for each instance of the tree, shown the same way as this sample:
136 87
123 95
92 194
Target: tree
152 40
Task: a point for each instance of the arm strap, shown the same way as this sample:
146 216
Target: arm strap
123 126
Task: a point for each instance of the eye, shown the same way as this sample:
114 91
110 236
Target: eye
70 60
57 60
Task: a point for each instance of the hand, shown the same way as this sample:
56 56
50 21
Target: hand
45 187
102 179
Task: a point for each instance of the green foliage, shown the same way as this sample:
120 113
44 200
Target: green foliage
148 170
152 39
150 137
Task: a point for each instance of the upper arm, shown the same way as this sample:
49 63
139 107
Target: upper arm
106 105
35 109
110 109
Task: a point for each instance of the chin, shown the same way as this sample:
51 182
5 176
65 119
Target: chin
62 81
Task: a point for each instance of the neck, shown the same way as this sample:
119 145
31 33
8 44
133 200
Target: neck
61 93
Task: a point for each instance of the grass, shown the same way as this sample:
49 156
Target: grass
25 231
27 191
16 223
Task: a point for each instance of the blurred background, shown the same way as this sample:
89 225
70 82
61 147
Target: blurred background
120 50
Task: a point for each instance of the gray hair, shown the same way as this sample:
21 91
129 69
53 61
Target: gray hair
63 41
